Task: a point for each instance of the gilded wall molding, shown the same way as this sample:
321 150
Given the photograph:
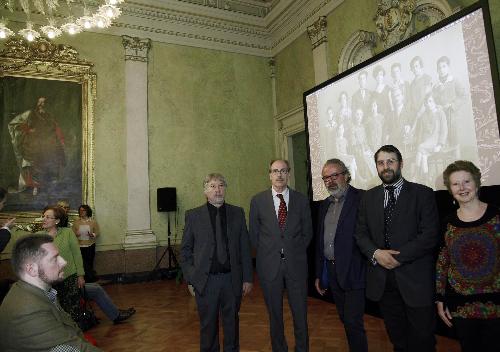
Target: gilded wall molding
358 48
136 49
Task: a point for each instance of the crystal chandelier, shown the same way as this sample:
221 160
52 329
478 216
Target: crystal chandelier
65 16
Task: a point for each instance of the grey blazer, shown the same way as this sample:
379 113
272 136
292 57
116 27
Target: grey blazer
268 239
197 248
415 228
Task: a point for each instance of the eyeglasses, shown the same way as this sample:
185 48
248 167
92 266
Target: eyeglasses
333 176
48 217
282 171
388 162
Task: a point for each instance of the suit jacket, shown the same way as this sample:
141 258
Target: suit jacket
268 238
4 238
349 262
415 233
198 243
29 321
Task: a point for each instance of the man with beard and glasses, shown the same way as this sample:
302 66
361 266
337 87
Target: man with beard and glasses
216 259
31 318
339 263
280 230
398 230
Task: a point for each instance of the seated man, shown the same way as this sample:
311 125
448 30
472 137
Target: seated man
31 319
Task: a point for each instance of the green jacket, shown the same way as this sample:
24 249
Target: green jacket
29 321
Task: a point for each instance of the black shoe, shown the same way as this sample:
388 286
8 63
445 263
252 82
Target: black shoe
124 315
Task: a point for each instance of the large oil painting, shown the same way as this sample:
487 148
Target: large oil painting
47 99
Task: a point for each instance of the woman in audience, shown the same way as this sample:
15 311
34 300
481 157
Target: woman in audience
66 242
87 229
468 268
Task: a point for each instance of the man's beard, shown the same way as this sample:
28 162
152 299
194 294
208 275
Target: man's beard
337 192
391 176
44 278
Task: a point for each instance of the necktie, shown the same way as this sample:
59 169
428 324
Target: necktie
221 248
388 211
282 211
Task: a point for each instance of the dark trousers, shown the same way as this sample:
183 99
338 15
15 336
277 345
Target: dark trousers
297 299
409 328
351 308
88 255
477 334
218 297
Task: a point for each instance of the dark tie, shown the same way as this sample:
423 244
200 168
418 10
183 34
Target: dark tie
221 248
388 211
282 212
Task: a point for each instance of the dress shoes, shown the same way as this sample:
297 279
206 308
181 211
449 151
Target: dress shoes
124 315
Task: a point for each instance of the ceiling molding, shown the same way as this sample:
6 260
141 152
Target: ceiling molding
211 24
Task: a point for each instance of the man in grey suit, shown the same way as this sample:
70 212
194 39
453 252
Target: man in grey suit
216 259
280 230
398 230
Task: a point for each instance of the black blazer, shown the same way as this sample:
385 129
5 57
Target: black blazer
197 248
349 262
4 238
415 233
268 239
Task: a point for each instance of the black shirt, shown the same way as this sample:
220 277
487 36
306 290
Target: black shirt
216 267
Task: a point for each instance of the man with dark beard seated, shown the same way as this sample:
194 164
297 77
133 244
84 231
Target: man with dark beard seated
31 318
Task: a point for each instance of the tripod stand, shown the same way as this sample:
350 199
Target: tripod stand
171 270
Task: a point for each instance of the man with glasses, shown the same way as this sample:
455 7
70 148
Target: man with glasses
280 230
340 266
398 230
216 259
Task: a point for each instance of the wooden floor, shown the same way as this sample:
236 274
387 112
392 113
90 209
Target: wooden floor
167 320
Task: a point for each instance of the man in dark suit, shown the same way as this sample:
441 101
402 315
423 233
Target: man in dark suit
216 259
337 256
397 230
280 230
5 229
31 318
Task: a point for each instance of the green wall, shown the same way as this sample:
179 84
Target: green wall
210 111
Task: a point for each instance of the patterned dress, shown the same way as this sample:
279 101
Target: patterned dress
468 267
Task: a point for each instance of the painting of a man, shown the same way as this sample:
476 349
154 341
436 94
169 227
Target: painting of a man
38 144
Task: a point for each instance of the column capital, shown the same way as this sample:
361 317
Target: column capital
272 67
136 49
317 32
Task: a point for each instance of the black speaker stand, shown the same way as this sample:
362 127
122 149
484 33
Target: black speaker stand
171 270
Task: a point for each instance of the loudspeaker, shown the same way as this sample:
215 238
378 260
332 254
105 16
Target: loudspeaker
166 199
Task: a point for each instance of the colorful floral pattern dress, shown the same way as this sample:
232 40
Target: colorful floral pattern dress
468 267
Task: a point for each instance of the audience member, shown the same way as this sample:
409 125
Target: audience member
216 260
67 244
397 230
96 293
337 256
87 229
30 316
468 273
5 229
280 231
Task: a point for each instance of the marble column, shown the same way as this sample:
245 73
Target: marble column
138 234
317 35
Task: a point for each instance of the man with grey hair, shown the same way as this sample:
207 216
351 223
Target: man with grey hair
31 318
280 231
340 266
215 258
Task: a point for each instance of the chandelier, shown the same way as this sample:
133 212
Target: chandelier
65 16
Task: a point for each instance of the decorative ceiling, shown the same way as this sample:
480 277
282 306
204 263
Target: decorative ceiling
255 27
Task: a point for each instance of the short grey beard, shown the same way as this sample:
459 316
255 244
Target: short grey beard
337 193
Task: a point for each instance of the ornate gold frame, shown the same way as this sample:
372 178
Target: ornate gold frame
43 59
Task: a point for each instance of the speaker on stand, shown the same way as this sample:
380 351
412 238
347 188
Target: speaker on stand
166 201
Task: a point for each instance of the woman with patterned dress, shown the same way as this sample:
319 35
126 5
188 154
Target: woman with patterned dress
68 291
468 267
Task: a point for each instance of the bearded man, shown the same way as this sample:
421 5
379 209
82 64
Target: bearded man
340 267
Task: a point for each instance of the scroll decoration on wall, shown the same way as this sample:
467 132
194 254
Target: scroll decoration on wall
48 99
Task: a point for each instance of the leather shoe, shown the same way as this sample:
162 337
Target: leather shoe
124 315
